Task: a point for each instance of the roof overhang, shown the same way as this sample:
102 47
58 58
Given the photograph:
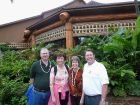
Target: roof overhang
114 8
87 10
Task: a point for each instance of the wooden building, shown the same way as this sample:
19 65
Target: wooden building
68 24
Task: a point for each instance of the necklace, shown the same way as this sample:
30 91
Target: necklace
73 79
43 69
62 74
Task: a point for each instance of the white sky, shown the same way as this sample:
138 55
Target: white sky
22 9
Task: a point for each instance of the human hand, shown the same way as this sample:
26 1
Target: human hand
102 103
81 102
53 100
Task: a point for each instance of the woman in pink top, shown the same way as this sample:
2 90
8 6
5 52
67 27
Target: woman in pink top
60 94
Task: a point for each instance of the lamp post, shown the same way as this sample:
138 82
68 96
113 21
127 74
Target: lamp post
137 7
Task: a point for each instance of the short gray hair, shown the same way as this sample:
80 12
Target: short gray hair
76 58
44 48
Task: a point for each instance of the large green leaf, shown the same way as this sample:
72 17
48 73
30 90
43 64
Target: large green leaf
123 42
128 32
119 32
134 39
130 72
122 74
138 22
121 59
114 82
113 47
137 32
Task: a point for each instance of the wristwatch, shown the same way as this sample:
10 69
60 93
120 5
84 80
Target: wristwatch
103 100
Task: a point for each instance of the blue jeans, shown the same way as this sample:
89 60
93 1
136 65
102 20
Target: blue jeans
41 98
92 100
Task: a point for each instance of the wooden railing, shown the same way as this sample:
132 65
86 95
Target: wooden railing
17 45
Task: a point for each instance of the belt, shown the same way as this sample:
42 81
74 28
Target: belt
95 96
42 90
75 95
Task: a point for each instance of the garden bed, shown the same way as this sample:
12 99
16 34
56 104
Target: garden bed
123 100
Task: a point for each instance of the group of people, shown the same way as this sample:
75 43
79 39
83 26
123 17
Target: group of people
63 85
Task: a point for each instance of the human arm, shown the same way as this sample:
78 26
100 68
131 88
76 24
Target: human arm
32 80
104 93
82 98
83 94
32 73
51 85
105 82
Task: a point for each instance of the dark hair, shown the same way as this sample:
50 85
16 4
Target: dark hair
89 50
75 58
60 55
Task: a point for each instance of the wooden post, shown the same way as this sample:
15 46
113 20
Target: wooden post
33 40
29 45
69 31
69 35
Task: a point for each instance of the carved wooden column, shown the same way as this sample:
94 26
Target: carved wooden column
33 39
69 35
69 31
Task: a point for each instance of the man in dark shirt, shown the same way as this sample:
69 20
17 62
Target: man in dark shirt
40 78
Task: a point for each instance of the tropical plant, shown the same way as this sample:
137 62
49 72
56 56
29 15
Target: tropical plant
119 52
12 92
14 78
76 51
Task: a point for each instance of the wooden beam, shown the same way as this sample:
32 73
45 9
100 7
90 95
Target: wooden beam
47 28
27 32
64 16
91 18
106 17
24 39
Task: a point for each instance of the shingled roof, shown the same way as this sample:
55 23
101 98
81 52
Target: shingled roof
65 5
96 9
94 3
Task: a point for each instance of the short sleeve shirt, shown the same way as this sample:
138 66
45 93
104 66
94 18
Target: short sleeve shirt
94 76
41 74
60 78
76 83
